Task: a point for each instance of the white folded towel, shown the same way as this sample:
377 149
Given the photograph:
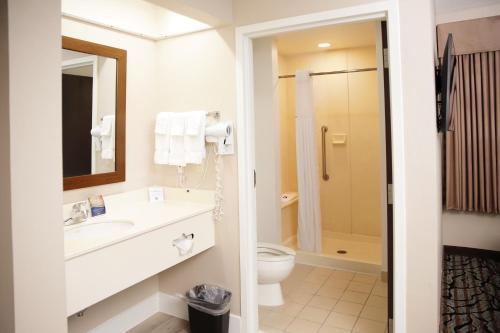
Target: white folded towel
194 140
180 138
95 132
162 138
178 123
108 138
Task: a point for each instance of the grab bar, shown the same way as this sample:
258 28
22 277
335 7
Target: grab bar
324 129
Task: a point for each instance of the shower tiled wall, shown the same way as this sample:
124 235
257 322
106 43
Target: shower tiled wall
348 104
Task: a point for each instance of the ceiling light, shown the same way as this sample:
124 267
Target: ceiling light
324 45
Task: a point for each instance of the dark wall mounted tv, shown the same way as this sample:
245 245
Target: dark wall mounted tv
444 84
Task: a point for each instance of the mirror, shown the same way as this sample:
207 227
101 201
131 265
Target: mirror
93 113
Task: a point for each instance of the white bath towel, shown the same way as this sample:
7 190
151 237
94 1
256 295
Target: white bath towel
180 138
108 138
194 140
162 138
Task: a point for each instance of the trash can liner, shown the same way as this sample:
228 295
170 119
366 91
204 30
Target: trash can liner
209 299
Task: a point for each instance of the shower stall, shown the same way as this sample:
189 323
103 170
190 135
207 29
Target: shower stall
350 155
338 108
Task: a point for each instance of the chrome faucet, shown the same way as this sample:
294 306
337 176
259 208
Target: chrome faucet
79 213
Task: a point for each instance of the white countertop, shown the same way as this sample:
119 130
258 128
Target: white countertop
147 216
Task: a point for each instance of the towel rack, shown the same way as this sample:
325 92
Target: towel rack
215 114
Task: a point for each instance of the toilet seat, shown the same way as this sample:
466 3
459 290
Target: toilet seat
274 252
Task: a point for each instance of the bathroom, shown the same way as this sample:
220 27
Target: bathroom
198 55
345 92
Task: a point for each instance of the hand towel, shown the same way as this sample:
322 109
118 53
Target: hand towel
108 138
194 140
162 138
177 154
180 138
178 123
95 132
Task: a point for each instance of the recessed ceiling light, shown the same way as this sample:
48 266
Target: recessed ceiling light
324 45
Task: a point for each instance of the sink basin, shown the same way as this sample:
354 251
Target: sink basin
93 230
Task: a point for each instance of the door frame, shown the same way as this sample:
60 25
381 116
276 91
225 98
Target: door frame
246 146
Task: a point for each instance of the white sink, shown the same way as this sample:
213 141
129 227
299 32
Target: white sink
93 230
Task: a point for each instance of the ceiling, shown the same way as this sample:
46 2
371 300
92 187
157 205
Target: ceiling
137 17
340 36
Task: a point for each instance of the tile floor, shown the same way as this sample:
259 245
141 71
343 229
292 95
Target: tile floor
161 323
323 300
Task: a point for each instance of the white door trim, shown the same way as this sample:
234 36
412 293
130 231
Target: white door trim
246 149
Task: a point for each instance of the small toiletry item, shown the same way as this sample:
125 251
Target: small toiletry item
97 206
156 194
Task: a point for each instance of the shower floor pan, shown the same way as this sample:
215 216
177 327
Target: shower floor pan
345 251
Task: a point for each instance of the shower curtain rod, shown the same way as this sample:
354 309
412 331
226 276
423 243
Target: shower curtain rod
333 72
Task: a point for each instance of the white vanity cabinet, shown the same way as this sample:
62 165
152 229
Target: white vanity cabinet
111 266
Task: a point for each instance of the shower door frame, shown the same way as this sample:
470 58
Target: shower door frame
244 35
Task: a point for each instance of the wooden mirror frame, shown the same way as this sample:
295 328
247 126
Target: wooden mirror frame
71 183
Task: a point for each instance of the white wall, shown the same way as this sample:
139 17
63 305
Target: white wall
422 260
267 141
468 229
35 168
471 230
459 10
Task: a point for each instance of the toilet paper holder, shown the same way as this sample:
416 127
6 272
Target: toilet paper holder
184 243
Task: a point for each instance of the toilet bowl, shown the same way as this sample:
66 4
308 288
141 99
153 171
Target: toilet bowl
274 264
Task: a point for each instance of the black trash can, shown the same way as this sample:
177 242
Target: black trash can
208 307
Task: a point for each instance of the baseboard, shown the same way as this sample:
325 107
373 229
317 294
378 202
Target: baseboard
130 317
175 306
158 302
473 252
384 276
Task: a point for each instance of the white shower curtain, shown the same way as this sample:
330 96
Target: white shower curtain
309 229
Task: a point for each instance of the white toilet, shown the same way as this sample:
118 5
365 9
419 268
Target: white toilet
274 264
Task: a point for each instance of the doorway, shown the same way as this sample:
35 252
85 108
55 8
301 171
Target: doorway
246 127
340 277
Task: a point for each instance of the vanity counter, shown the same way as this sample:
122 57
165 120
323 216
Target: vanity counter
144 217
139 244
